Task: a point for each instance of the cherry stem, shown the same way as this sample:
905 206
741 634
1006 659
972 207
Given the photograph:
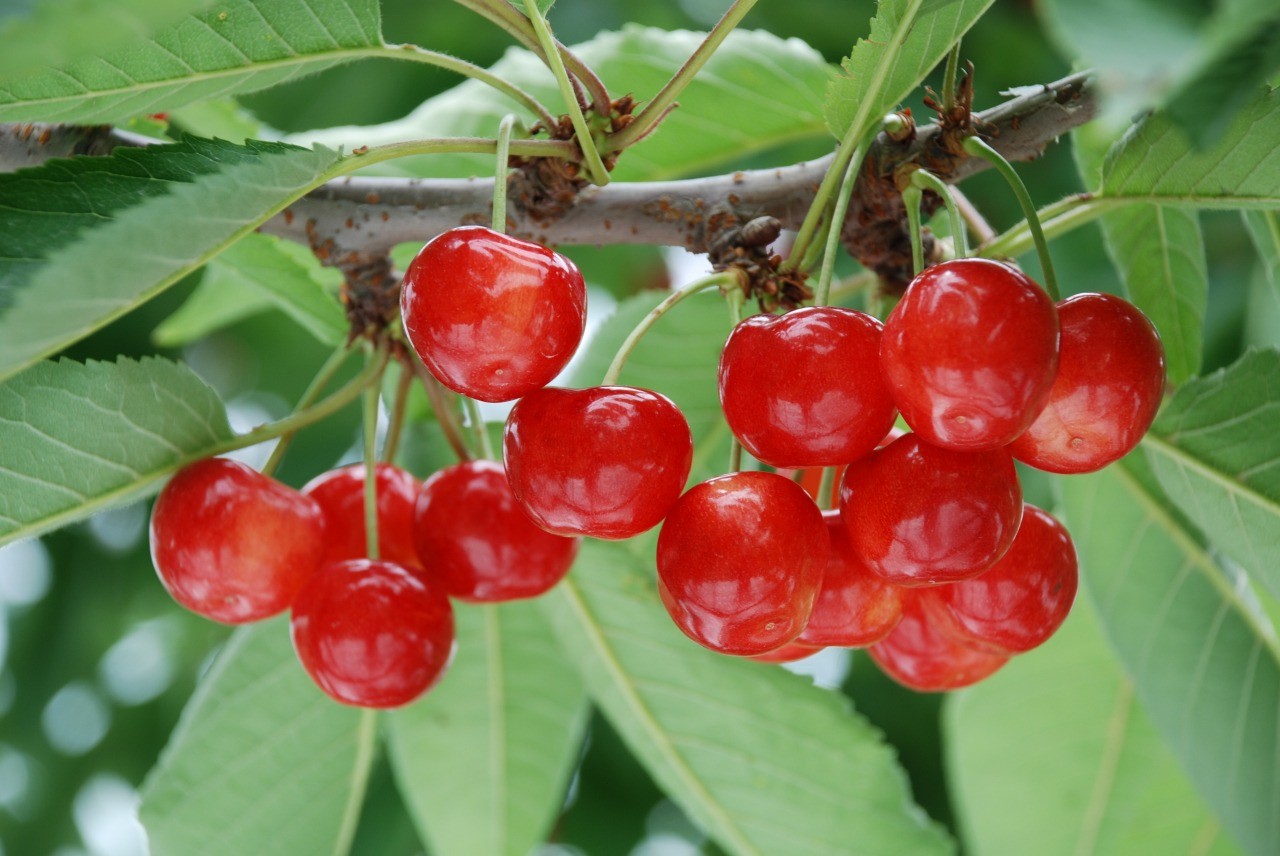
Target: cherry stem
824 487
1057 218
735 299
500 173
657 109
949 77
371 400
563 149
310 394
396 426
596 170
444 413
721 280
835 226
483 447
911 196
926 180
978 147
413 53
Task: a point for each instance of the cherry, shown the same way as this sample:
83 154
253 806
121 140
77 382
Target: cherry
1110 379
492 316
804 389
371 633
340 494
788 653
919 514
1022 599
232 544
919 655
472 533
855 607
811 478
608 461
970 353
740 560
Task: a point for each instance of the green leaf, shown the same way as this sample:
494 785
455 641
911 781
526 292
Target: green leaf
81 437
763 760
1159 252
1216 453
237 46
53 32
1158 162
1264 229
908 39
261 761
1104 784
211 306
85 240
483 761
757 92
544 6
1204 664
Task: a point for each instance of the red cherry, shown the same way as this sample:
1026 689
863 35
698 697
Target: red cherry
970 353
492 316
919 655
340 493
1022 599
1110 380
811 478
788 653
855 607
372 633
232 544
804 389
608 462
471 533
740 560
919 514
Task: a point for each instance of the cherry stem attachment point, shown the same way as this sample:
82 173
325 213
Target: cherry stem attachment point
926 180
483 447
835 225
396 425
911 196
596 170
978 147
371 400
722 280
312 392
500 173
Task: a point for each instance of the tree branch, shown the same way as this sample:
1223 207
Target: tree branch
368 216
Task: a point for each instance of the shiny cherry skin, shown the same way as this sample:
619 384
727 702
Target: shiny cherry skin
804 389
788 653
477 540
340 493
1110 380
811 478
1019 602
970 353
919 514
492 316
607 462
372 633
740 561
232 544
920 655
855 607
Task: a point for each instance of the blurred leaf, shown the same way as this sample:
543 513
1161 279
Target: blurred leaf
1204 664
756 92
760 758
237 46
1159 251
1158 162
81 437
85 240
1264 229
223 118
262 761
43 33
1239 56
908 39
211 306
1104 784
1216 453
484 760
543 5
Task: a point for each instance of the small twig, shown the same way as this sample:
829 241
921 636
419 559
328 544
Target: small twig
982 231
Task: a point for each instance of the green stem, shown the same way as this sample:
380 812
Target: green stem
312 392
500 173
413 53
591 157
715 280
396 426
652 114
949 78
926 180
563 149
444 413
1056 219
371 396
979 148
835 225
483 447
735 299
911 199
827 482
